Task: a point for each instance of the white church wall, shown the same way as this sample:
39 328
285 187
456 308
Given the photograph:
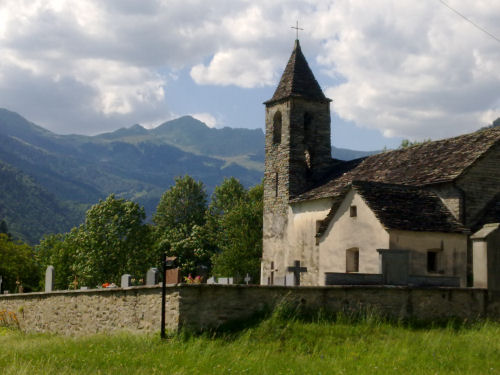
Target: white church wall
301 237
451 248
363 231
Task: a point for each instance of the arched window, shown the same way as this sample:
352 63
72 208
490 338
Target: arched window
277 128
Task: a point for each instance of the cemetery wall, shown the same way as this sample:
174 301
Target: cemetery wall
204 306
135 309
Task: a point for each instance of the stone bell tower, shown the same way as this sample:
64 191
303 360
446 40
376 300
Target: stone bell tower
298 153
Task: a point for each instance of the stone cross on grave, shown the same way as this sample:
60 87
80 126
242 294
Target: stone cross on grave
296 269
247 279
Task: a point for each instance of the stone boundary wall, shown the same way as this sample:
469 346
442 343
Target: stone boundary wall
137 309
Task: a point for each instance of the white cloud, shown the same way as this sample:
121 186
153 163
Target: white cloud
411 69
239 67
206 118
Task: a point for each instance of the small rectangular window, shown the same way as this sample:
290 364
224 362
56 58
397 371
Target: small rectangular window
352 260
432 261
354 211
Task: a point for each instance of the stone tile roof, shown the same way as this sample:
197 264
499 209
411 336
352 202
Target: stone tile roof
400 207
424 164
298 80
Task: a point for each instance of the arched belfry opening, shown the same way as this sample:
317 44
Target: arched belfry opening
277 128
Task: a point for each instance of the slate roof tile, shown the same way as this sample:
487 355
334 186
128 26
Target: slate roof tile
298 80
400 207
420 165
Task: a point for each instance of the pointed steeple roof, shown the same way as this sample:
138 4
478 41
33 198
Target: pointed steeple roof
298 80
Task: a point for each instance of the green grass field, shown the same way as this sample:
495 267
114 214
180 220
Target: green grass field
272 346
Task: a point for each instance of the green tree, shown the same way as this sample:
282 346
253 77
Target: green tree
183 204
180 219
58 250
5 229
241 243
17 264
228 195
113 240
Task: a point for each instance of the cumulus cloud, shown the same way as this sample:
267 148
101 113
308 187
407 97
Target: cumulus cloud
207 118
411 69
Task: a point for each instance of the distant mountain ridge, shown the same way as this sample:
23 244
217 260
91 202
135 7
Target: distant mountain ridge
134 163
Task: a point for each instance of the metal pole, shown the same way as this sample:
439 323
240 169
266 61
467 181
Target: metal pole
163 294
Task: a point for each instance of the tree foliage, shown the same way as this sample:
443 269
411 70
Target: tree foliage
17 264
114 240
240 246
179 220
183 204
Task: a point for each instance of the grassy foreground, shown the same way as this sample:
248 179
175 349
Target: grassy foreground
273 346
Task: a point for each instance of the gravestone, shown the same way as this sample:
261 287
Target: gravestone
126 280
212 280
225 280
84 288
173 276
247 279
152 276
49 279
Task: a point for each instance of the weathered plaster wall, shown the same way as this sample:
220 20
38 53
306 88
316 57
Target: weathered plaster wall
344 232
100 310
301 240
452 248
208 306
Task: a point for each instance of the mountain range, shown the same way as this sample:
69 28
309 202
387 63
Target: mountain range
49 180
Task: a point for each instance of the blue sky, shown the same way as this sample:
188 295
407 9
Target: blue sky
394 68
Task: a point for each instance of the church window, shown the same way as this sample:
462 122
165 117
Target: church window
352 259
432 261
277 128
353 211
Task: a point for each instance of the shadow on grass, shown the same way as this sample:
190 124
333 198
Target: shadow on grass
290 310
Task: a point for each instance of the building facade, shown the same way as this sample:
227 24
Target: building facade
404 216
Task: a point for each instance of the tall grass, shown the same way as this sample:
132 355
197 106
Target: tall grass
286 342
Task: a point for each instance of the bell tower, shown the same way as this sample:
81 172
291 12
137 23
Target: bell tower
297 150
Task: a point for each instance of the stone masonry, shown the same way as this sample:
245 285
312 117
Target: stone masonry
137 309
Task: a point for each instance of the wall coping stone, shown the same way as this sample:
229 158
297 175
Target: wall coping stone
234 286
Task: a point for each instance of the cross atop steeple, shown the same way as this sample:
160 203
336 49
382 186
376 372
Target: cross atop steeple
297 28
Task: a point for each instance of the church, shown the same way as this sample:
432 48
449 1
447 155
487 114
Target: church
425 215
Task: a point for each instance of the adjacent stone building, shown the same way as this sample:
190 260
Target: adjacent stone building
401 217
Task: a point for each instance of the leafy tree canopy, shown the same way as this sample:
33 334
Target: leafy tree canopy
241 243
17 265
184 204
